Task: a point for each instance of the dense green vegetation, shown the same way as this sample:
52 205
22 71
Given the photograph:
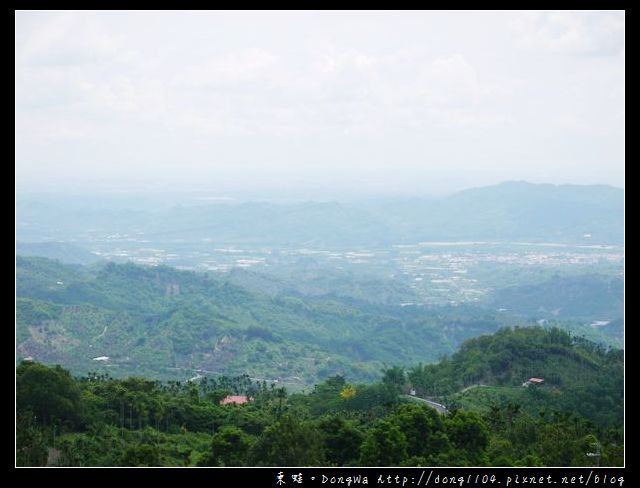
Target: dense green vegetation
62 251
574 297
165 323
96 420
580 376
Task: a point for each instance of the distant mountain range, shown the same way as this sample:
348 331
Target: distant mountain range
304 324
513 211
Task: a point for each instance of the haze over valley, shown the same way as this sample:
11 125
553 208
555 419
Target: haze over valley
320 238
396 263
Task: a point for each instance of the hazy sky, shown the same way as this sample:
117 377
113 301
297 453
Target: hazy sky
317 104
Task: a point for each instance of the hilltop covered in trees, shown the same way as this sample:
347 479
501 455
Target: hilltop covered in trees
159 322
100 421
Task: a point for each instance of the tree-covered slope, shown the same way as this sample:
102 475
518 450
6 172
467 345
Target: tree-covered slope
62 251
571 296
100 421
579 375
162 321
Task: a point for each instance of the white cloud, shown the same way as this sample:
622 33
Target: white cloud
449 82
308 90
231 67
586 33
68 39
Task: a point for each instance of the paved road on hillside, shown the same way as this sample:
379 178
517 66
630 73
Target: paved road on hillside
438 406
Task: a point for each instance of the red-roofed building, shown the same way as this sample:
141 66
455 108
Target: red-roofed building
533 381
235 399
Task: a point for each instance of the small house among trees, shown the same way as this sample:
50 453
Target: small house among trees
234 399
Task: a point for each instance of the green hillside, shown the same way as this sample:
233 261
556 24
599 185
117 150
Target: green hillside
579 376
163 322
579 296
62 251
96 420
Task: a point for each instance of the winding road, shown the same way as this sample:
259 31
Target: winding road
438 406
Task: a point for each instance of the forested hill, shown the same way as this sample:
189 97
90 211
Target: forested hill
579 376
162 322
62 251
99 421
579 296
